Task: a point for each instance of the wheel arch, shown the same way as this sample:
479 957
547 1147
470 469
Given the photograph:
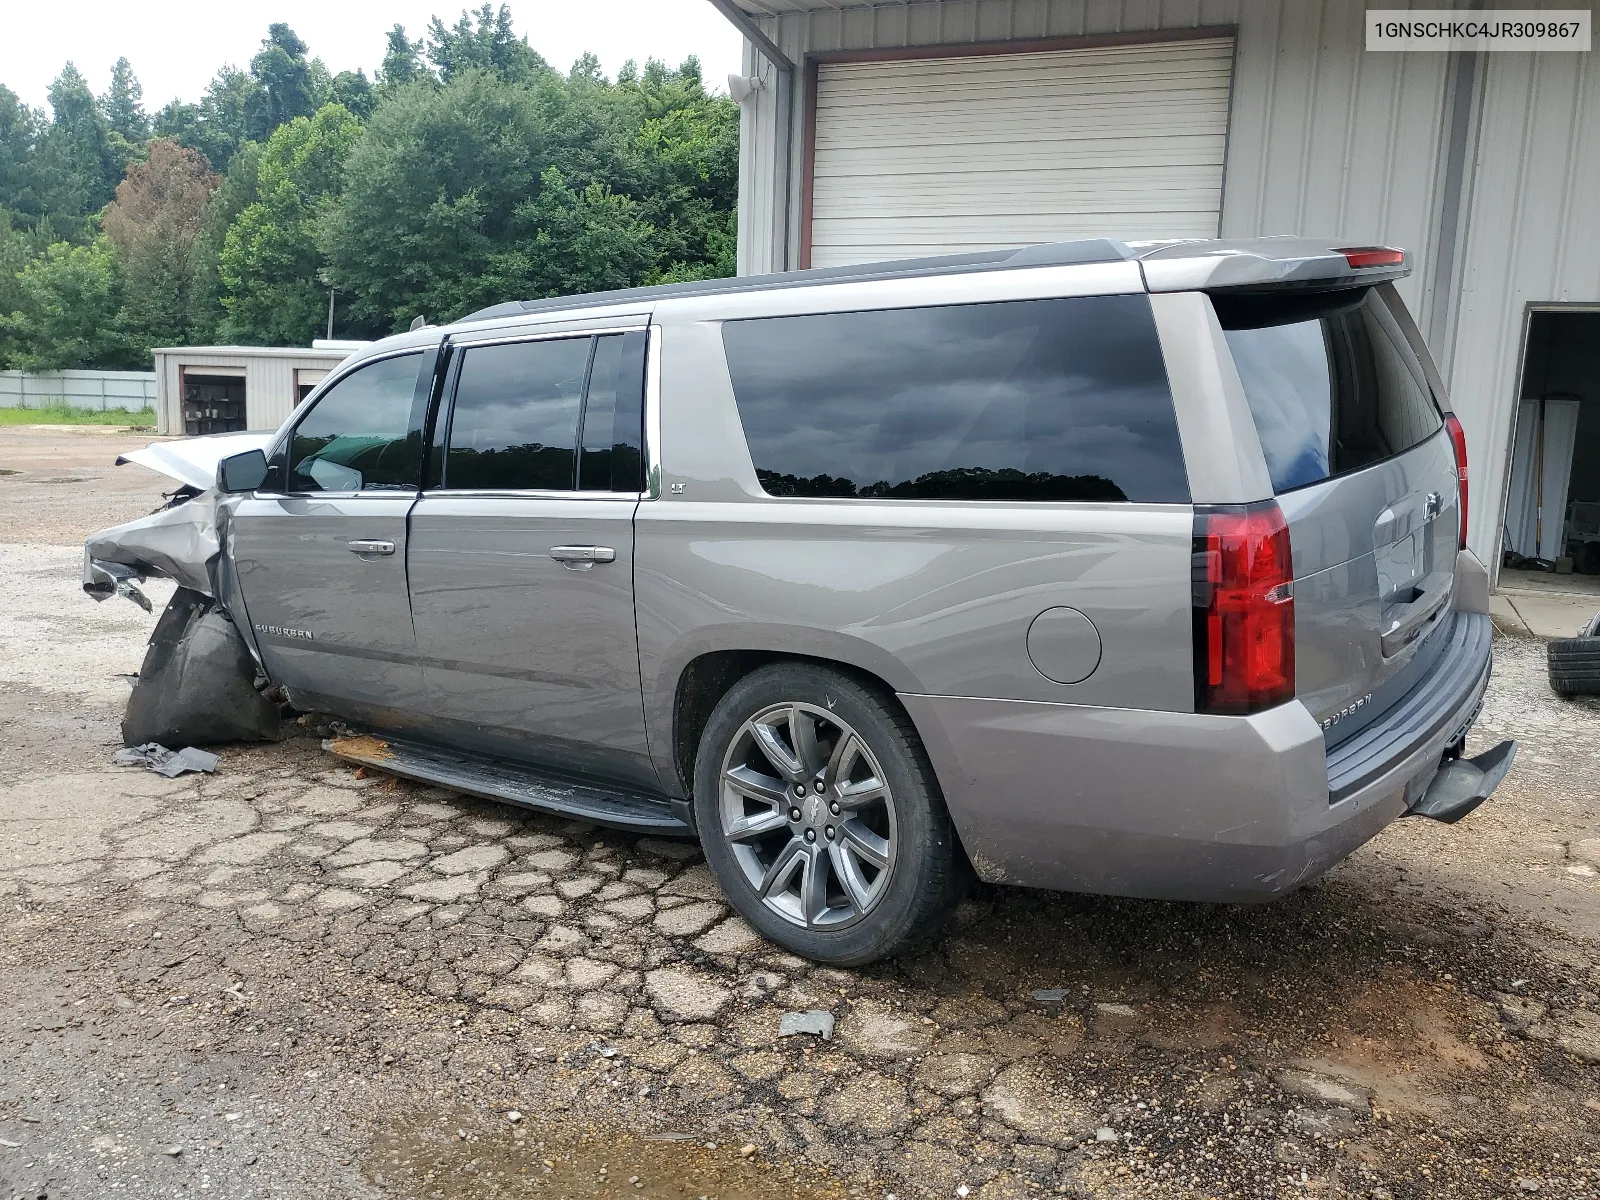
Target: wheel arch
686 696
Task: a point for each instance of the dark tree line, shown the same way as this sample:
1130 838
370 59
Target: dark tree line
467 172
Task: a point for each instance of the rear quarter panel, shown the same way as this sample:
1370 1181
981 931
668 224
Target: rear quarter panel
934 598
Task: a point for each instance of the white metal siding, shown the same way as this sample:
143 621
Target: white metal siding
1532 238
948 155
132 390
1325 140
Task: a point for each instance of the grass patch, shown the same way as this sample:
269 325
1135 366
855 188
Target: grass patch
65 414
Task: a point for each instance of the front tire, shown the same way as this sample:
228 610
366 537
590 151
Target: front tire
821 817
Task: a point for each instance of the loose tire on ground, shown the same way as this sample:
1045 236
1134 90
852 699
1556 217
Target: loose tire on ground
812 883
1575 666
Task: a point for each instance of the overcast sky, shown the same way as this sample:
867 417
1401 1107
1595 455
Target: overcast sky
175 46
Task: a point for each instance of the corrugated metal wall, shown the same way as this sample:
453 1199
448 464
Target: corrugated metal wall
269 380
1324 139
1532 237
132 390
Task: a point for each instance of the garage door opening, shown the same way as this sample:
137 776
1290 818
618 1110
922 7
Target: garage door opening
1551 525
213 403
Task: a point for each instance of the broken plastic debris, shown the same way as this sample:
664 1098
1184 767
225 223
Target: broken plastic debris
1050 995
813 1021
170 763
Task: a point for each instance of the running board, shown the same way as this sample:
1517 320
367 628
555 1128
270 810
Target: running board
1462 785
512 783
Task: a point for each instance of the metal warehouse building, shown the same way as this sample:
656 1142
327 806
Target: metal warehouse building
221 389
891 128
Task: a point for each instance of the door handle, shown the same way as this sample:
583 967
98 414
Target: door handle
580 557
371 546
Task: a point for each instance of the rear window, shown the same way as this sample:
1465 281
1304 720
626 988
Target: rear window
1027 400
1332 382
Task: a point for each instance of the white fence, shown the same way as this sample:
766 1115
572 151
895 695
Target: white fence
132 390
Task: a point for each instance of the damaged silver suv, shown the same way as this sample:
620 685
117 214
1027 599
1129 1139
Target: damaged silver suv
1133 569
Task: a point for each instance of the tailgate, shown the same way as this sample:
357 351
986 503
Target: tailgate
1365 474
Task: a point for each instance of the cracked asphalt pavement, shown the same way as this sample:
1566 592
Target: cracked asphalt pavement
294 978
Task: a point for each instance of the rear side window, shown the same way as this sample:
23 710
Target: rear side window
561 414
1332 383
1022 400
515 419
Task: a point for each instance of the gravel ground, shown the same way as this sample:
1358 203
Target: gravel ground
291 979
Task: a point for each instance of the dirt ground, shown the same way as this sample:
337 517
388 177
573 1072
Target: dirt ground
287 980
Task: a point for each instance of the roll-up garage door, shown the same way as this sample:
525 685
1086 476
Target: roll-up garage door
944 155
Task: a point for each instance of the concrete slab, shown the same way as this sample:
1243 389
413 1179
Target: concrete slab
1546 615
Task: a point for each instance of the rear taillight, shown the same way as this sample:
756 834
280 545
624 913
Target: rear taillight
1372 256
1243 609
1458 440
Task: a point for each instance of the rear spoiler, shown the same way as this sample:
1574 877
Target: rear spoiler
1265 263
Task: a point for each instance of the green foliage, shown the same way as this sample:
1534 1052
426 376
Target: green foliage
123 104
466 172
236 193
270 266
76 167
483 41
481 190
286 88
69 311
402 61
58 412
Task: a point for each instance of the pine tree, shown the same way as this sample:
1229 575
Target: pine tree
124 104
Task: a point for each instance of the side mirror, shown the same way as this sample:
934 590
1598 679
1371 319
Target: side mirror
242 472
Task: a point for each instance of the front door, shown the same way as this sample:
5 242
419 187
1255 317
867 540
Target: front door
521 558
320 550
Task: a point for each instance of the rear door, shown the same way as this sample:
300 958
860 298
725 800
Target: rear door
1365 474
320 549
521 554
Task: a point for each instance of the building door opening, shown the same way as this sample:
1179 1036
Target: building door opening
213 404
1551 528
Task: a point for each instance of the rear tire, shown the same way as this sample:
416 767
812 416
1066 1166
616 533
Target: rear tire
871 865
1575 666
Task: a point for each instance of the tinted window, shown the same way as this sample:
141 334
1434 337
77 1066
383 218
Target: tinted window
515 419
613 416
1331 380
1028 400
360 435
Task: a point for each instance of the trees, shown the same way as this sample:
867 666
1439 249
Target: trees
285 82
466 172
270 264
154 223
77 168
68 306
483 41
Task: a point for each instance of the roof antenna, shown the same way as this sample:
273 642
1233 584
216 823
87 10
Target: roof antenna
420 322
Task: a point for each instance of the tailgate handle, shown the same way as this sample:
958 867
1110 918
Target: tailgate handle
1406 628
371 546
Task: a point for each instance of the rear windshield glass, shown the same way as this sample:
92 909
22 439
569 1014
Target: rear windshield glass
1332 382
1026 400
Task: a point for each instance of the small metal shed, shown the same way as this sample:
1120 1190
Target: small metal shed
220 389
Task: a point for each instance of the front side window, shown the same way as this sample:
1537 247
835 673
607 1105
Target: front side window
1031 400
361 435
1332 382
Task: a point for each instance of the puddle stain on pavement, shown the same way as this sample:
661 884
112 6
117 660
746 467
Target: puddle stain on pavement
451 1160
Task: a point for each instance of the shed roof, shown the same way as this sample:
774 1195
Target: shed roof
255 352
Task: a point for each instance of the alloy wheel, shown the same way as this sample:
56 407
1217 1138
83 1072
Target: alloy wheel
809 815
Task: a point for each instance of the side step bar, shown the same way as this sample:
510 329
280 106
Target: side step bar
513 783
1462 785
